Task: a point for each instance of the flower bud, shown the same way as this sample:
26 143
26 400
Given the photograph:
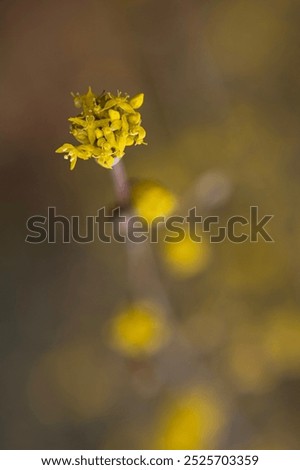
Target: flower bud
137 101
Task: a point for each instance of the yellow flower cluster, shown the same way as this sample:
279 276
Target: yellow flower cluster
139 329
186 258
191 420
106 125
151 200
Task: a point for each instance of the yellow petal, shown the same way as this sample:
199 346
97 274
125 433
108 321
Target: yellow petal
78 121
101 142
85 151
107 147
65 148
134 119
77 100
109 135
122 141
125 125
109 104
80 135
91 135
126 107
102 123
73 161
116 125
129 140
106 161
137 101
114 115
98 133
97 110
141 132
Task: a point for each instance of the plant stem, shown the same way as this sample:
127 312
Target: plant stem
121 184
140 257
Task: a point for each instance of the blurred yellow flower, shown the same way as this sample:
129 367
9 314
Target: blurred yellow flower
186 257
138 329
151 200
190 421
106 125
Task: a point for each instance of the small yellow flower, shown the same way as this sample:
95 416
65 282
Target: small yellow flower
186 257
106 125
138 329
81 151
190 420
151 200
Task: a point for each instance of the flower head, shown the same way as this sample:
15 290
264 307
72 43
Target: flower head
187 257
191 419
106 125
151 199
139 329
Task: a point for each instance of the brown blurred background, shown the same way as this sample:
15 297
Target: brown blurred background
221 84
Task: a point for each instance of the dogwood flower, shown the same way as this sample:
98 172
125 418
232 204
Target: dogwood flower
106 125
